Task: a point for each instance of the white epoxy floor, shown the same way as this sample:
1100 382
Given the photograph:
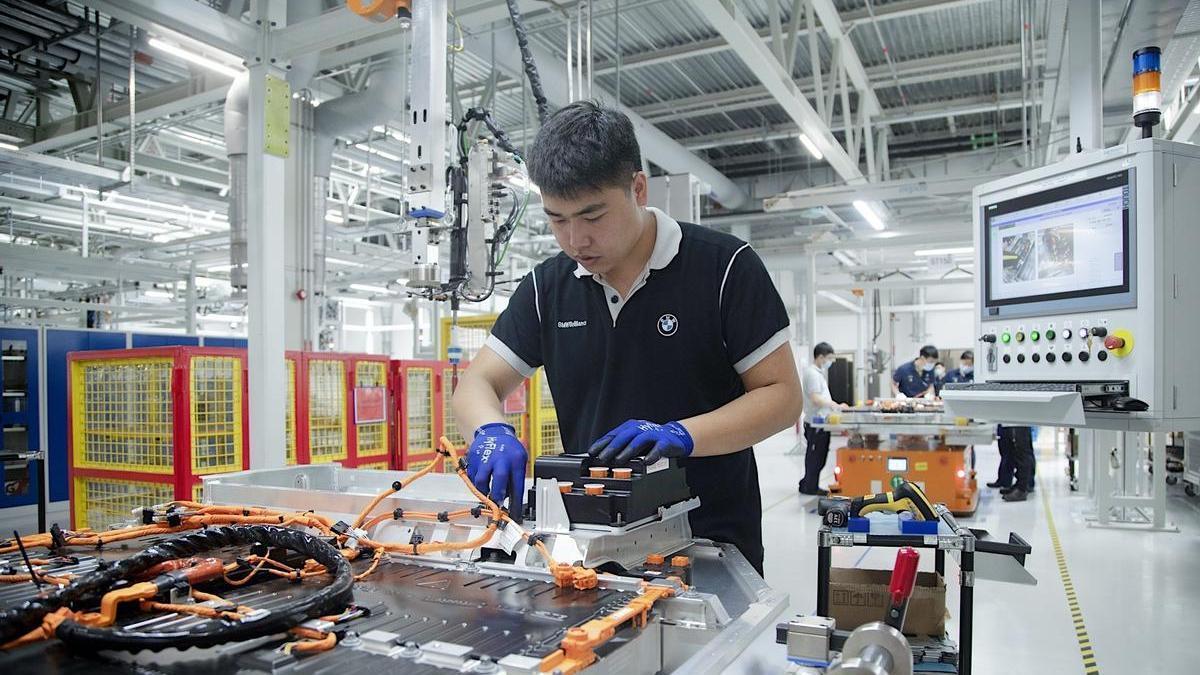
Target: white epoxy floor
1134 588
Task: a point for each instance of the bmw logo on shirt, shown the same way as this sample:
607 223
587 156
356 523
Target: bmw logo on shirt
667 324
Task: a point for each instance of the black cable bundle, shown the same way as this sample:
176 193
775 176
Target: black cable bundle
531 71
87 590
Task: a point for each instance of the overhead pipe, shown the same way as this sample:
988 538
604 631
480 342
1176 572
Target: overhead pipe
378 103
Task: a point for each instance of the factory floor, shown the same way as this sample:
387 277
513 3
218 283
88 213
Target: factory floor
1137 590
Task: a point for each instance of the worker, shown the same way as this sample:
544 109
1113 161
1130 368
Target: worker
659 339
817 403
1017 463
915 378
939 377
965 372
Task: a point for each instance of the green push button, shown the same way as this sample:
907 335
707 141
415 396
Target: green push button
1050 334
1006 338
1034 335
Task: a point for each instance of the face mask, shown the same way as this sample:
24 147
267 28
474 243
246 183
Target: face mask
940 372
826 365
929 366
966 370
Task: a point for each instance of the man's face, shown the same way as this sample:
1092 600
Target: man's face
599 229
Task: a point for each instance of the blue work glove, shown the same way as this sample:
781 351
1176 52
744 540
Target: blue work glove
635 438
497 457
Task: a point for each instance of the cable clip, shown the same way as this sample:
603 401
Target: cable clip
477 511
397 485
397 513
174 519
340 527
443 516
535 538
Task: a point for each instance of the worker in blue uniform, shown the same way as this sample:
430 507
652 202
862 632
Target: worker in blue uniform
915 378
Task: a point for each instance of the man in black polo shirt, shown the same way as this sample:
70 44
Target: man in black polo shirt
659 338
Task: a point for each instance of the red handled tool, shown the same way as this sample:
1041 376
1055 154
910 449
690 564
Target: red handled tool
904 577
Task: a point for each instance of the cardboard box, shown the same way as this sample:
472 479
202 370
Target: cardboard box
859 596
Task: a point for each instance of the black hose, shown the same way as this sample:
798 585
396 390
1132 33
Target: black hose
531 71
86 591
485 116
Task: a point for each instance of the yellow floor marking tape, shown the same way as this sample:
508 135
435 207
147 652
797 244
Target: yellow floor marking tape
1081 634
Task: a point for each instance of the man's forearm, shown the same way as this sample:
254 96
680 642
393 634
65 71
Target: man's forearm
475 404
744 421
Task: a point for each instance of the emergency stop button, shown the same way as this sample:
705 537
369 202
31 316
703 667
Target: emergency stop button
1119 342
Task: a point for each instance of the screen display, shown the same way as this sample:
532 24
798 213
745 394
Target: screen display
897 464
1068 242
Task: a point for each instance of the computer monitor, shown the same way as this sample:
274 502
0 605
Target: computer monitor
1070 247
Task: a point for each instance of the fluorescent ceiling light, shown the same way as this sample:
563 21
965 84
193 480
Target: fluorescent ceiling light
219 268
193 57
334 217
9 146
380 129
157 293
808 145
231 318
376 151
367 288
844 259
868 213
943 251
347 263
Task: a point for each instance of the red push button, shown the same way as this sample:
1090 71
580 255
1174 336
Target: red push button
1114 342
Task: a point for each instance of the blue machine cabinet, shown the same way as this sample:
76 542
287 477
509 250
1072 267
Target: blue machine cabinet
22 477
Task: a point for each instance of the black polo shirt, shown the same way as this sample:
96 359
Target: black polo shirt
702 312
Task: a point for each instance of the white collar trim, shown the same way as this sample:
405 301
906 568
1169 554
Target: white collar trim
667 236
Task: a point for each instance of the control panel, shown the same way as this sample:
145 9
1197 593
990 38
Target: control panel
1087 272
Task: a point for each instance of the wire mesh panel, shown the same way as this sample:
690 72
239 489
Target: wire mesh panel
545 398
290 420
326 410
418 428
543 418
372 436
122 414
548 440
449 424
216 393
470 333
100 503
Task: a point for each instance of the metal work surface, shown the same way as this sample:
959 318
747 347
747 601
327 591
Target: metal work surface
482 610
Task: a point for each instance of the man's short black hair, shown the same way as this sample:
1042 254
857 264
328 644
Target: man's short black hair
929 352
822 349
584 147
967 356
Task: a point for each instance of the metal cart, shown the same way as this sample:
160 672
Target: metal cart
978 558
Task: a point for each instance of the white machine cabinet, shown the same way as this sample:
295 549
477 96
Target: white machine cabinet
1087 279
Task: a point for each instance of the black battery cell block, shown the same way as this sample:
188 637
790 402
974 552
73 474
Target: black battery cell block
602 496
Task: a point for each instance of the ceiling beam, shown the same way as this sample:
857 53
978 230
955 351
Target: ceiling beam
910 188
187 21
657 146
831 21
893 10
736 29
915 71
971 105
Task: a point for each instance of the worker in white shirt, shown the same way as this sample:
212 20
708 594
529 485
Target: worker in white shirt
817 403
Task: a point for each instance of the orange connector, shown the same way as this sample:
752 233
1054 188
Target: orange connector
579 578
579 645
